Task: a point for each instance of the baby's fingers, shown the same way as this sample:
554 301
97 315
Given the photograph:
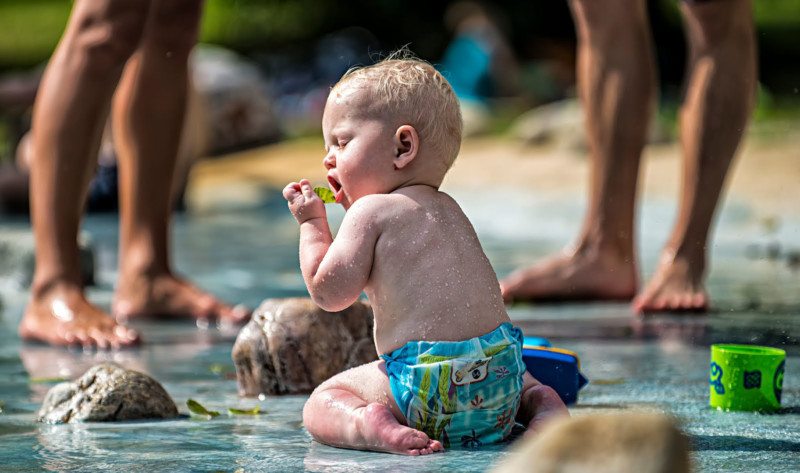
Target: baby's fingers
307 190
291 191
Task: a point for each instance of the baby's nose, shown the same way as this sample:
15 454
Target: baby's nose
329 161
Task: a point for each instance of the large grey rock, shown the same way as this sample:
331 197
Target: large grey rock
107 392
239 107
290 346
563 123
628 442
17 258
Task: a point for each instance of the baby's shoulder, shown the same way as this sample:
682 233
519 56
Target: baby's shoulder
374 208
382 205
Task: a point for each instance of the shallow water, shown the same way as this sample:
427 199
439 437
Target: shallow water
250 254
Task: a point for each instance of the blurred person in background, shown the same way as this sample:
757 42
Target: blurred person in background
617 84
128 57
479 62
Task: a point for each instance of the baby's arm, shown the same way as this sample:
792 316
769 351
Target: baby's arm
335 271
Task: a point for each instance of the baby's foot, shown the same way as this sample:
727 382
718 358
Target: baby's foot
167 296
585 275
62 316
677 286
383 433
545 405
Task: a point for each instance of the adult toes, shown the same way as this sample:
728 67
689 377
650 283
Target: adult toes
238 314
700 301
100 339
125 336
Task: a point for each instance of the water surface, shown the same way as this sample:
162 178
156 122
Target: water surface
246 255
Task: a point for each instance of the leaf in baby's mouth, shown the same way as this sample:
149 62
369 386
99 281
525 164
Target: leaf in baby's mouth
197 409
244 412
325 194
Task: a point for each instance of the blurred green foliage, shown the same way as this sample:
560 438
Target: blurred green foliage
249 24
777 13
29 29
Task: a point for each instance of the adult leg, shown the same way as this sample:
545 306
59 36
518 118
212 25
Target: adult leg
538 405
355 410
148 117
69 114
719 98
616 82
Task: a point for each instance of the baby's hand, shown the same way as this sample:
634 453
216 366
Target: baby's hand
304 203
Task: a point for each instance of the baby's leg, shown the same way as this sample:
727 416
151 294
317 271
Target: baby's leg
539 404
355 409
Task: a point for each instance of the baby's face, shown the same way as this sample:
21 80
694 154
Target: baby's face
360 147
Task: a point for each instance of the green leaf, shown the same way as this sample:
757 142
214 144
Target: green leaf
219 368
245 412
325 194
197 409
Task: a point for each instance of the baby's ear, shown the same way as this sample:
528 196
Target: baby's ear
406 141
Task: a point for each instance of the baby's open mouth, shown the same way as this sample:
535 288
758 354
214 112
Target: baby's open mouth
336 188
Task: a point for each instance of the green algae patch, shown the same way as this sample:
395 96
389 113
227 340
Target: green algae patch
197 409
245 412
325 194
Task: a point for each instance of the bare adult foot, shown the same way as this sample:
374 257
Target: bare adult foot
61 315
582 275
384 434
677 286
167 296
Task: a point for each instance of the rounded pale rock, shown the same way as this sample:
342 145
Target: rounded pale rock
634 442
106 393
290 346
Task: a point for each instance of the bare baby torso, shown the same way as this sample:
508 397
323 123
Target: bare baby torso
430 279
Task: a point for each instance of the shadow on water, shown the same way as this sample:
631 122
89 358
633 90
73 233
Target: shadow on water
738 443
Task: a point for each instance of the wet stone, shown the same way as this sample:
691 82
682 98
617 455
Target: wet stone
645 442
107 392
290 346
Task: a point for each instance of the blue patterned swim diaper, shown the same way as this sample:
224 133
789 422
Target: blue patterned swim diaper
461 393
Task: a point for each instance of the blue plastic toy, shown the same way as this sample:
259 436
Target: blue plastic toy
554 367
536 342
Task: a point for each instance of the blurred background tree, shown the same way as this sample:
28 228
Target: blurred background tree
539 32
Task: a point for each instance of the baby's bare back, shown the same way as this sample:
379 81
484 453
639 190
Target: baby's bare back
430 278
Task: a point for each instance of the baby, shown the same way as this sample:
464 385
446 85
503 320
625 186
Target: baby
450 369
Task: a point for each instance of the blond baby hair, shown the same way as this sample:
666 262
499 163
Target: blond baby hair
414 92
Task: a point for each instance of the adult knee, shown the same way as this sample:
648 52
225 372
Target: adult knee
605 22
174 26
718 23
107 39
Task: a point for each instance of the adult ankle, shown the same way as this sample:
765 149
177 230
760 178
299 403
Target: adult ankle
603 250
43 287
695 257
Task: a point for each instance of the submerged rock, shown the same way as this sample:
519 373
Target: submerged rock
290 346
107 392
641 442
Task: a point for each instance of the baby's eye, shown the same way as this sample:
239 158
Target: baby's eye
342 143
